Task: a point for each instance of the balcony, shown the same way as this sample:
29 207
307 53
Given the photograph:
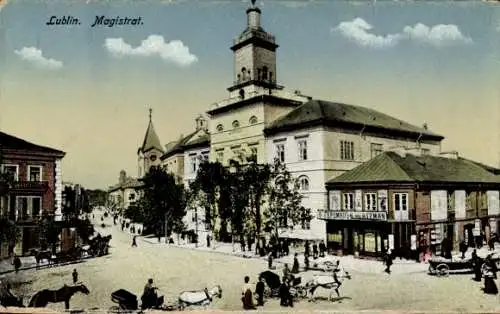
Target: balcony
352 215
21 217
29 186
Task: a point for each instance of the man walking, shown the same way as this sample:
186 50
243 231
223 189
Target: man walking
75 276
388 261
259 291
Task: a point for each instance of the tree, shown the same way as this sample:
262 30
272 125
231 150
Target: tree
96 198
206 187
257 181
284 208
163 203
8 230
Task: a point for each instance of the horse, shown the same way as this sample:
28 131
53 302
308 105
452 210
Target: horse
43 297
41 255
199 298
327 282
8 299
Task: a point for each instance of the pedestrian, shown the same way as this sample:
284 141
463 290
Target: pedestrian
477 263
306 262
134 241
17 263
295 267
491 243
270 261
284 292
208 240
463 248
315 250
246 295
75 276
286 271
388 261
259 291
322 249
489 283
307 249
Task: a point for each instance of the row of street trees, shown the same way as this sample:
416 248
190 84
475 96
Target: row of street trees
242 200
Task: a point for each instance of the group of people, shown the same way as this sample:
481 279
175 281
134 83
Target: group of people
315 252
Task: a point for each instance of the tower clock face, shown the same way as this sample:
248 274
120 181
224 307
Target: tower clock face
152 158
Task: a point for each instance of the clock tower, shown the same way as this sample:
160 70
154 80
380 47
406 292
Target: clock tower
254 58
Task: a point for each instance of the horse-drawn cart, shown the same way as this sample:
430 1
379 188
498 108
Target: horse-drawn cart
273 284
127 301
442 266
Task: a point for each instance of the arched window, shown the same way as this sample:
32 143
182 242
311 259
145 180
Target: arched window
253 120
220 128
236 124
243 73
303 183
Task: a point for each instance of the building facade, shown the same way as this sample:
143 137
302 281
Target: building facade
125 192
410 203
317 140
35 189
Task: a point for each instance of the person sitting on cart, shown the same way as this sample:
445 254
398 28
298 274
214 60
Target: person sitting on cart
149 295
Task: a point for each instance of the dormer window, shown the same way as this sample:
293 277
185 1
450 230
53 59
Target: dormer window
236 124
253 120
220 128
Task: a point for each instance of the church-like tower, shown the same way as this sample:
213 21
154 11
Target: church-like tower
254 58
151 150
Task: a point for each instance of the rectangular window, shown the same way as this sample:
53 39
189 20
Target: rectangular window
348 201
131 197
193 164
238 155
253 151
346 150
400 201
305 224
376 149
371 201
220 156
204 156
12 171
36 206
280 152
34 173
302 150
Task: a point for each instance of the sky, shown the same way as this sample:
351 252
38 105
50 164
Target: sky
86 90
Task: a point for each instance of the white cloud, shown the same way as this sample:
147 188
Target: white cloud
437 35
35 56
155 45
358 30
361 32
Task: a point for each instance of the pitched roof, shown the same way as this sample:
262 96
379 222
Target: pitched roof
8 141
391 167
129 183
317 112
151 140
195 139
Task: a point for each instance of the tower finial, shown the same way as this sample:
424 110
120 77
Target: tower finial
253 3
150 113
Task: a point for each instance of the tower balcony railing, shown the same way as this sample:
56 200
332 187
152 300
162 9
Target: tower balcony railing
262 35
296 96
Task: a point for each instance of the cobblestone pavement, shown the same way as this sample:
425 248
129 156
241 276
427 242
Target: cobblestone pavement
176 269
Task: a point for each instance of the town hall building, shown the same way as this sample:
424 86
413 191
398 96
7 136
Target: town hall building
316 139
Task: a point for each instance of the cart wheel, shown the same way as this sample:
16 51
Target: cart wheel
432 270
443 270
302 292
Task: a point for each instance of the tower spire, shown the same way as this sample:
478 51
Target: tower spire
150 114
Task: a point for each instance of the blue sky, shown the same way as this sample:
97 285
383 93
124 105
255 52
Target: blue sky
434 63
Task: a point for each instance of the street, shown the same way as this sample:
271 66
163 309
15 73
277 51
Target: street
175 269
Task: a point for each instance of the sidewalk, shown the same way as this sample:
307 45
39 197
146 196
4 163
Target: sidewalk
27 262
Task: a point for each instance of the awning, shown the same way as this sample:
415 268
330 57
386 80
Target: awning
299 234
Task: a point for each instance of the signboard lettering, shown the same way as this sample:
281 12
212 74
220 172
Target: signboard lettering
352 215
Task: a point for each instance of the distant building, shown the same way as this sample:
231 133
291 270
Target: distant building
411 202
125 192
36 188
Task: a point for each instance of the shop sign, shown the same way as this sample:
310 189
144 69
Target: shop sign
351 215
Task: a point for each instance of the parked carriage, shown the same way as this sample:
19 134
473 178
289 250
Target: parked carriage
442 266
127 301
273 284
